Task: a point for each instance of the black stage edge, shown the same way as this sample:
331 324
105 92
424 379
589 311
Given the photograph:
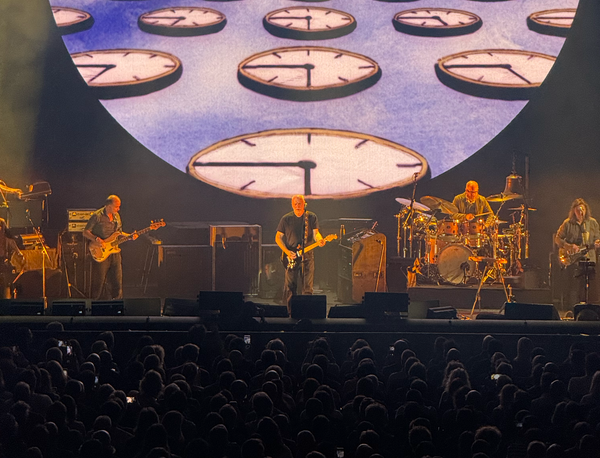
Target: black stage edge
463 297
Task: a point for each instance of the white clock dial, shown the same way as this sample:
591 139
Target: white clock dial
71 20
436 22
555 22
114 73
321 163
495 73
182 21
307 73
309 23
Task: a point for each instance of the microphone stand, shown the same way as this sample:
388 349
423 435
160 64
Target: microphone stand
44 256
408 241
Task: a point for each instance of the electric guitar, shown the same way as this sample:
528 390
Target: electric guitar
111 244
567 256
292 264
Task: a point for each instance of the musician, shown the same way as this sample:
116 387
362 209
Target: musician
579 231
470 203
107 276
293 227
9 251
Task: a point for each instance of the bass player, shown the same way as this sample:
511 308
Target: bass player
298 229
577 239
107 276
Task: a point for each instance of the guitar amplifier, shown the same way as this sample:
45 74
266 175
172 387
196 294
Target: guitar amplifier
79 214
76 226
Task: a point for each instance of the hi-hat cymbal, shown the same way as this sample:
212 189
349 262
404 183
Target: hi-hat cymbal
522 207
503 197
416 205
436 203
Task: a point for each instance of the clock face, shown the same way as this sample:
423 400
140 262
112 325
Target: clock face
182 21
552 22
495 73
71 20
114 73
308 73
436 22
309 23
320 163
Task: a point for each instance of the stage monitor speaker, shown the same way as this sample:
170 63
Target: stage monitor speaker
108 308
380 305
586 312
181 307
142 306
70 307
442 313
521 311
346 311
417 310
309 306
22 307
229 303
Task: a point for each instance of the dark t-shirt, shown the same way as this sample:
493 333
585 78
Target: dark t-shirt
291 227
101 226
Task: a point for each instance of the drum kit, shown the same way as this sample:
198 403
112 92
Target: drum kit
448 251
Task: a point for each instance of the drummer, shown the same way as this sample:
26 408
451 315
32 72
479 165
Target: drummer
470 204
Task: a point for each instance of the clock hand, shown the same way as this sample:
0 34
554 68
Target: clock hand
177 18
308 68
306 165
425 17
106 67
439 19
504 66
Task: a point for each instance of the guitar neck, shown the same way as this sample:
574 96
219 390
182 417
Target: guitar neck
310 247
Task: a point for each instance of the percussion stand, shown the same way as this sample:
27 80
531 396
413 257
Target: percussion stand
45 255
488 272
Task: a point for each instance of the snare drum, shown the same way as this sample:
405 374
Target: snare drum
454 264
448 231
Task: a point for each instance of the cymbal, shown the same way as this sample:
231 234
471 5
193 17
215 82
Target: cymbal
503 197
436 203
522 207
416 205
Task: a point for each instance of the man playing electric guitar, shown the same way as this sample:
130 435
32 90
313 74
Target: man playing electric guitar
577 239
296 229
107 276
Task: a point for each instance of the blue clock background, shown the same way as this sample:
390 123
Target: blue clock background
53 129
409 105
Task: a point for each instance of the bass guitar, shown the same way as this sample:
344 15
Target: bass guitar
111 244
568 256
292 264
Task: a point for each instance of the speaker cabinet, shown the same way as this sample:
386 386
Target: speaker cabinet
236 257
442 313
309 306
586 312
229 303
181 307
184 270
70 307
142 306
22 307
108 308
380 305
521 311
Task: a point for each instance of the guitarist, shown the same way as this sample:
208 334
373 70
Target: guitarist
107 276
578 237
296 229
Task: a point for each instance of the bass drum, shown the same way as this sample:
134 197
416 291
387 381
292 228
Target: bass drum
454 265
